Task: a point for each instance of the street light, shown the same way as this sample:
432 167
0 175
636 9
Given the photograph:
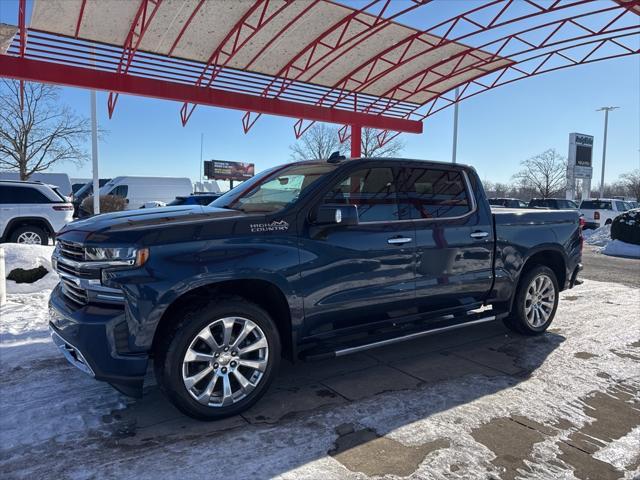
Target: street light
604 144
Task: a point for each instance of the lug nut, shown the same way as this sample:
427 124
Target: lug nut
233 364
224 369
234 353
217 355
215 365
226 349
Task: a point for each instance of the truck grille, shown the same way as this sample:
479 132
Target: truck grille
73 292
72 251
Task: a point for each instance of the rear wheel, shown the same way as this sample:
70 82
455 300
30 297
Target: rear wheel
219 360
30 236
536 302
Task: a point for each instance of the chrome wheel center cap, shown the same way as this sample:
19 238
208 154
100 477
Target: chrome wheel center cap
224 358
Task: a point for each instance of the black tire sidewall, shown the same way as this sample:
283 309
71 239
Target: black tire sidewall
521 296
44 237
169 371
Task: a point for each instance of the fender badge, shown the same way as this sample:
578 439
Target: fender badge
275 226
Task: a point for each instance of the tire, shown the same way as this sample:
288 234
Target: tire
30 235
608 222
192 364
523 317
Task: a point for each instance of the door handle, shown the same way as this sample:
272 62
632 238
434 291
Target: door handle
399 240
479 234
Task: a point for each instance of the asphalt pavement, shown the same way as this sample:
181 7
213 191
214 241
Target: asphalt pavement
604 268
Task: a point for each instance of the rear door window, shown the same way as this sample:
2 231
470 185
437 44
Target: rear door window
22 195
621 207
372 190
120 191
429 193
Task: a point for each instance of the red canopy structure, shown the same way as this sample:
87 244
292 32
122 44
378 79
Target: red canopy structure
384 64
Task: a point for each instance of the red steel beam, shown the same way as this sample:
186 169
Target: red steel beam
22 14
407 44
230 45
146 11
80 15
502 42
292 71
59 74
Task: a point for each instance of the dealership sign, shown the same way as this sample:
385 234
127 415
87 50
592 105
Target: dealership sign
580 155
224 170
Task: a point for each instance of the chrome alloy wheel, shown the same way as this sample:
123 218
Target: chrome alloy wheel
539 301
29 238
225 361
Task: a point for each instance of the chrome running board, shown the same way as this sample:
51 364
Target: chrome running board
411 336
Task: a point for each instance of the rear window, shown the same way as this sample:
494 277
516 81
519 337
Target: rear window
431 193
595 205
621 206
22 195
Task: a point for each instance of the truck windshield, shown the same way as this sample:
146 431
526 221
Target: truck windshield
273 189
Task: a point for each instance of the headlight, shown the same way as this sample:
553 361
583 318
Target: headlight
133 256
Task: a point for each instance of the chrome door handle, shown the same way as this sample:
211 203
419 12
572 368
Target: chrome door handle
399 240
479 234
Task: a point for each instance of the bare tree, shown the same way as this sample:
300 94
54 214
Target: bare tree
317 143
631 181
42 133
545 174
322 140
371 147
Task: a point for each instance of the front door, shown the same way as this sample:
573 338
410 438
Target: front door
454 238
358 274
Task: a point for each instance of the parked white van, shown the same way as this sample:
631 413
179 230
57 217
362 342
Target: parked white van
141 191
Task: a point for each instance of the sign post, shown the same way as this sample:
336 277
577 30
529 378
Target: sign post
579 164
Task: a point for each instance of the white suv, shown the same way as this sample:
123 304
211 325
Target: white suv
31 212
601 211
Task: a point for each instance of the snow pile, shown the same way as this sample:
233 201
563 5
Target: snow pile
599 237
27 257
618 248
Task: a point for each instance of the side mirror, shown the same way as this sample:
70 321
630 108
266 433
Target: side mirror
337 215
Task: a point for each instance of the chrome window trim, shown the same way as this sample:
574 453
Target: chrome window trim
470 193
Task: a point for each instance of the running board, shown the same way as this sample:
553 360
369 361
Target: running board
390 341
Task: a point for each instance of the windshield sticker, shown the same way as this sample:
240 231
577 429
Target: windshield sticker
275 226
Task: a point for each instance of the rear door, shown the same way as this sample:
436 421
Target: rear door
358 274
454 237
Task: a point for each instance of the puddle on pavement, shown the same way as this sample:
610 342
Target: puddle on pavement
367 452
584 355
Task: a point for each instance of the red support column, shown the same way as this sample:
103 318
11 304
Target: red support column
356 141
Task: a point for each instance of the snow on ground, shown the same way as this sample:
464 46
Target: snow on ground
617 248
601 237
27 257
55 421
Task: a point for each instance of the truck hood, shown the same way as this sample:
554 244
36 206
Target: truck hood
143 221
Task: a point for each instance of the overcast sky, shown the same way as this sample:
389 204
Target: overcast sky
498 128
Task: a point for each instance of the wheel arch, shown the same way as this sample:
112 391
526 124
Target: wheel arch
263 293
18 222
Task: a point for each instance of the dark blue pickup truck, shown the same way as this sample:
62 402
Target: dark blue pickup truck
306 260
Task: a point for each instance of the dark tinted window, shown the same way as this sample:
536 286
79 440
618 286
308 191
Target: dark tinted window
621 207
595 205
496 202
372 190
24 195
432 193
120 191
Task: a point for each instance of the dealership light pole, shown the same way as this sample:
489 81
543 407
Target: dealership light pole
604 144
200 169
454 150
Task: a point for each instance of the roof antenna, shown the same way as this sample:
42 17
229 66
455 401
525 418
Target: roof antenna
335 157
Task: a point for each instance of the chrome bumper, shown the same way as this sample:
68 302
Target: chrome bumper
71 353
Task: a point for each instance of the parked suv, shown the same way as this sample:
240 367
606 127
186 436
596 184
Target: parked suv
508 203
308 260
31 212
553 203
602 211
198 198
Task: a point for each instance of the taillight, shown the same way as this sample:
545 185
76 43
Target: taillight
596 215
582 223
63 208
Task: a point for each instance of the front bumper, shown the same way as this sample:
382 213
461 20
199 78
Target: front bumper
86 336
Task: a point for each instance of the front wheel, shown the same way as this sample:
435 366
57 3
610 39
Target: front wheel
536 302
219 360
30 236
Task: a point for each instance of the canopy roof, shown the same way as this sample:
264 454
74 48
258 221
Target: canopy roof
385 64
